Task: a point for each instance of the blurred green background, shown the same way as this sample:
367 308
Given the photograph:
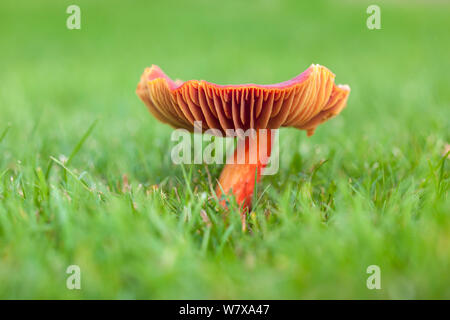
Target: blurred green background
370 187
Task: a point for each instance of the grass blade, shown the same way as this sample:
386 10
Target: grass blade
4 133
71 173
81 142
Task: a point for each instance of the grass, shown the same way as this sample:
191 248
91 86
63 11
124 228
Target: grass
86 176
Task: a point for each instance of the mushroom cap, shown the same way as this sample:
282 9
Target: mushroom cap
303 102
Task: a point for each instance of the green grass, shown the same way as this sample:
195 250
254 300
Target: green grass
80 154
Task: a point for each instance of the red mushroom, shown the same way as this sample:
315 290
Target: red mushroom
303 102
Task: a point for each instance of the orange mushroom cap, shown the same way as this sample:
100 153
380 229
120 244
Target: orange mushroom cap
303 102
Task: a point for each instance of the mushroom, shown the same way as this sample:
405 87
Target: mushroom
303 102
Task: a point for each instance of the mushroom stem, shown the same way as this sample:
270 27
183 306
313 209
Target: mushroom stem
244 167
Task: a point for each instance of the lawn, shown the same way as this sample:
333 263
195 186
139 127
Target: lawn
86 176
